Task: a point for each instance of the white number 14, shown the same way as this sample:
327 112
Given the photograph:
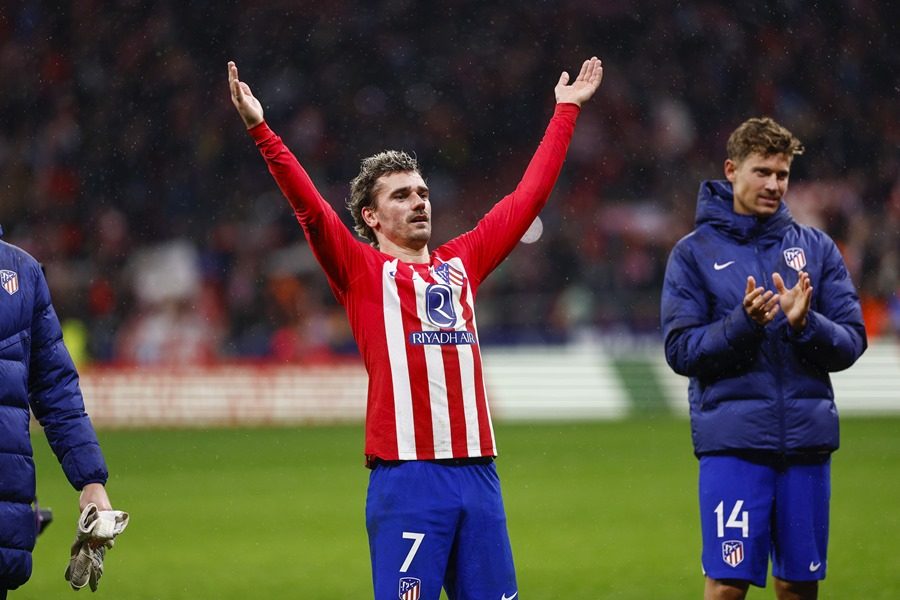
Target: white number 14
736 519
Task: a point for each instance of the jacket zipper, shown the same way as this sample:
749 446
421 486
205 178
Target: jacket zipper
772 343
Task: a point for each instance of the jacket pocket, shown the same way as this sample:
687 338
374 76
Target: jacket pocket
8 350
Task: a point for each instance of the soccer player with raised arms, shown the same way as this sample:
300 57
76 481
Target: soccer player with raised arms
763 417
434 511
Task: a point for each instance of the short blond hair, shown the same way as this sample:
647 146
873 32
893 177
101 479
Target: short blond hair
764 136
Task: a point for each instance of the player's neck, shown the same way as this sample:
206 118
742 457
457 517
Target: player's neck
405 253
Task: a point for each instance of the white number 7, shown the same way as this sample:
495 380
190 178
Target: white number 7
418 537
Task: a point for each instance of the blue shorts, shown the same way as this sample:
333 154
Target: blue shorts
434 526
753 509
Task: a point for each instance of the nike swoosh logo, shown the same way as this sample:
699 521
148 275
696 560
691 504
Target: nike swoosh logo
814 566
719 267
505 597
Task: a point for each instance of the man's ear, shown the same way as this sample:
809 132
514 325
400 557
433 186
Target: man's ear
368 215
730 169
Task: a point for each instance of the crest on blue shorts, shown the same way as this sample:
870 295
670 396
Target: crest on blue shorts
733 552
795 258
410 588
9 280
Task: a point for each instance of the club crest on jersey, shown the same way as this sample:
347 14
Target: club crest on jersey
410 588
439 305
733 552
795 258
450 274
10 281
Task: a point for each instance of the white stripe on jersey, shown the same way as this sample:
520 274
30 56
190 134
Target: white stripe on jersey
467 371
437 379
396 347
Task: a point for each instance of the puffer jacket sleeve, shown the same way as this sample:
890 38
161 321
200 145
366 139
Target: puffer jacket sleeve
55 396
696 347
834 336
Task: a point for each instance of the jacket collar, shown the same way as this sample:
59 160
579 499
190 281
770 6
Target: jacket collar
715 207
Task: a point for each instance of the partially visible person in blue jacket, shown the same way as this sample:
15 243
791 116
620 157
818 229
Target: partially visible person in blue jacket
757 310
37 372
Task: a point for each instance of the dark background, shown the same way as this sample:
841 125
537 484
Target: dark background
125 169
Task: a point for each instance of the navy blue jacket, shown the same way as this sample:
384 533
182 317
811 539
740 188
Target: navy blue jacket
35 371
752 387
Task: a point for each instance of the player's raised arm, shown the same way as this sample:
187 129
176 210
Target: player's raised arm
503 226
244 101
584 86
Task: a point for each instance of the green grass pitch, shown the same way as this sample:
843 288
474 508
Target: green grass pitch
596 510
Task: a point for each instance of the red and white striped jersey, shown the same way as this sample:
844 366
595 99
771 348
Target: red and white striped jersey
415 323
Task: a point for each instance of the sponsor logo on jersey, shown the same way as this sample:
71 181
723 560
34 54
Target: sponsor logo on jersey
450 274
10 281
439 305
733 552
795 258
410 588
814 566
441 338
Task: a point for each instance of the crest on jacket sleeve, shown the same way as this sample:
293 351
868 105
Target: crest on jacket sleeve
9 280
795 258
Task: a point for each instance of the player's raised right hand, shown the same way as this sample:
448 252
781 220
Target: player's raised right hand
584 86
244 101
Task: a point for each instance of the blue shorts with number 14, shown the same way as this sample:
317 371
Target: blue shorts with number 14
754 509
434 526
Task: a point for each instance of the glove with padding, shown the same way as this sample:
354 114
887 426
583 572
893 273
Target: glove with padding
97 530
86 567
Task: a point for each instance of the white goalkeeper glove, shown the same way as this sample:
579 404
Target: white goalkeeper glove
97 530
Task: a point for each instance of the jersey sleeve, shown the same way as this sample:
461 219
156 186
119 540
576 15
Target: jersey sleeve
331 241
496 234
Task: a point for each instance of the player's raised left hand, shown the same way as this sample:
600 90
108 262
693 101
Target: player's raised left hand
244 101
584 86
795 302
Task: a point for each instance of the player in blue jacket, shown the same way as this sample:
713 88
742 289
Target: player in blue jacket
37 372
757 310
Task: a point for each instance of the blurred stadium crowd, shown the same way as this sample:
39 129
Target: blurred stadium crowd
125 170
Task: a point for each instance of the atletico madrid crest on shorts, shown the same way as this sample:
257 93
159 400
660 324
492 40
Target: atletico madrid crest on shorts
410 588
733 552
795 258
10 281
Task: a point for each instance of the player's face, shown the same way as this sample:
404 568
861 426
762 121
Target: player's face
759 183
401 211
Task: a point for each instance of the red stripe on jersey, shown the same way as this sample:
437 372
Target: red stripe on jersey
485 432
381 424
418 369
453 380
